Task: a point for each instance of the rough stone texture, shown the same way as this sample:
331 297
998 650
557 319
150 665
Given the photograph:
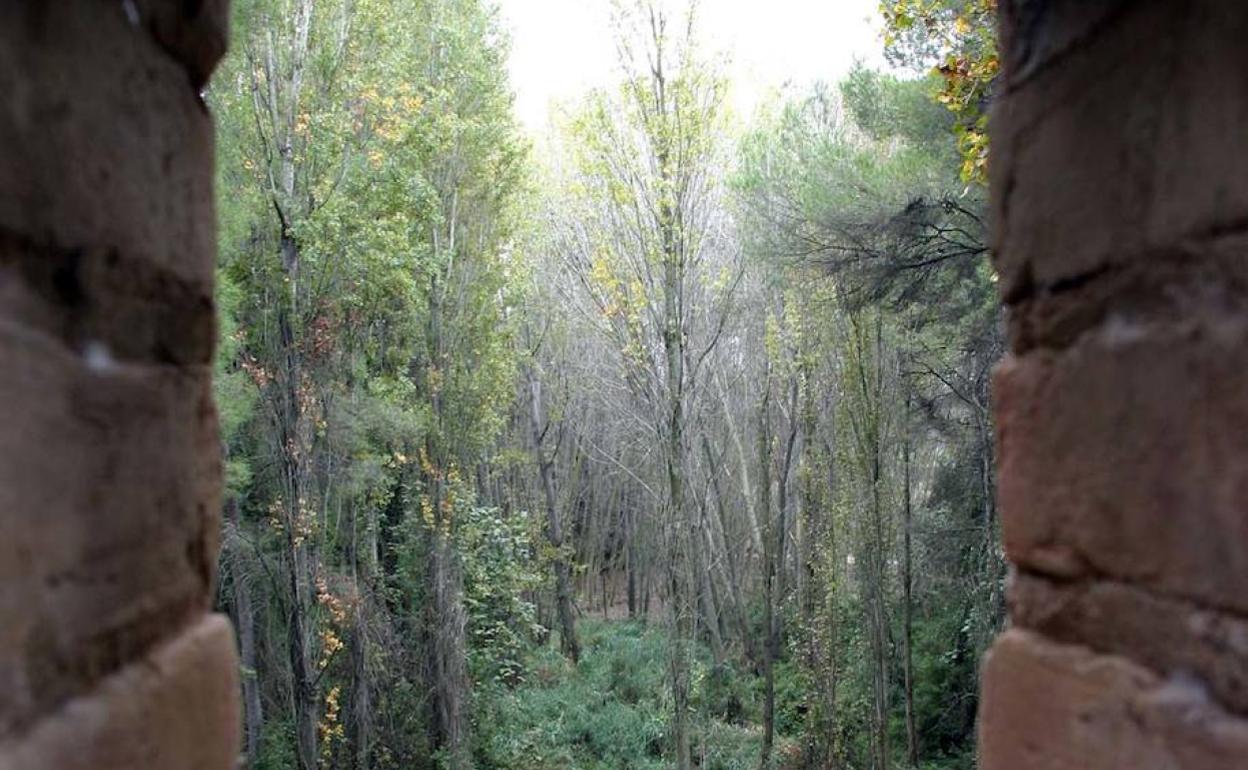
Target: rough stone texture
109 453
108 539
95 298
172 710
1036 34
193 31
1126 456
1049 706
1197 280
1173 638
115 144
1120 228
1119 129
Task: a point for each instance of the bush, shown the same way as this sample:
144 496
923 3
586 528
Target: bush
612 711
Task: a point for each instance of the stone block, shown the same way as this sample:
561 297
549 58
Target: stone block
95 298
109 495
1048 706
1035 34
175 709
195 32
1168 636
1127 142
1196 282
1126 457
116 147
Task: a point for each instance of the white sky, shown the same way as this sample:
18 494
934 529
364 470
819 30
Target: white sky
562 48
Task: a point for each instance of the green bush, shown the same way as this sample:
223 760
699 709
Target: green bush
277 745
612 711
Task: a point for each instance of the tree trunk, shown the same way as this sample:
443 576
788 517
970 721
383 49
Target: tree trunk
879 621
630 537
554 524
361 725
770 557
670 232
245 622
706 599
296 511
446 620
718 530
448 654
912 738
303 676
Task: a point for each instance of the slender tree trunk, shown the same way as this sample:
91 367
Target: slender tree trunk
297 518
361 725
679 579
446 621
631 565
756 532
681 606
554 524
867 424
770 556
719 530
706 600
807 591
280 111
303 677
245 622
831 646
448 654
715 582
879 619
912 738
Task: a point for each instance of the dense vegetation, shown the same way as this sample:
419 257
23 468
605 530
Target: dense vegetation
662 442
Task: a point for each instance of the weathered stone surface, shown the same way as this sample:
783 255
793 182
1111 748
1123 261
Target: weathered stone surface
1127 456
1197 280
176 709
1120 230
108 146
109 453
1035 34
1128 141
1171 637
95 297
109 491
1048 706
195 32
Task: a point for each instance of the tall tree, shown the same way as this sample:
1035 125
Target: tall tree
648 153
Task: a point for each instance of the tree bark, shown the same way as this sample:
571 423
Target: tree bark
770 554
538 426
912 738
718 530
245 622
361 726
448 655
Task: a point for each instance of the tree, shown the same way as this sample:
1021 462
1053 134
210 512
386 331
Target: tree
958 40
857 192
668 371
648 155
373 167
540 424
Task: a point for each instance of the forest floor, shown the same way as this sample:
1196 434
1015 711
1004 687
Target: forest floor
611 711
606 598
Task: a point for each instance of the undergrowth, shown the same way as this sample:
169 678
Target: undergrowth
612 710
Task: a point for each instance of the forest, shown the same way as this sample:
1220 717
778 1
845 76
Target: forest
662 440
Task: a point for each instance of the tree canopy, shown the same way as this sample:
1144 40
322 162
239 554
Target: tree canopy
661 440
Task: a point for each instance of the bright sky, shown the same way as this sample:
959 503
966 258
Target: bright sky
562 48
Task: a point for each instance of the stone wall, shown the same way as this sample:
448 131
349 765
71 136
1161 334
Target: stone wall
1120 216
109 469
